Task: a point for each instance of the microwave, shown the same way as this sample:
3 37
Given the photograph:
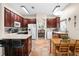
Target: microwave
17 24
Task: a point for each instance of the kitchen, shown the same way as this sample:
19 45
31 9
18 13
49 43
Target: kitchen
19 29
15 26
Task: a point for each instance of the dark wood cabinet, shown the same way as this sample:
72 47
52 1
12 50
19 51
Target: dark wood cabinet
53 23
7 17
31 21
20 19
10 17
25 51
16 18
29 45
14 50
25 22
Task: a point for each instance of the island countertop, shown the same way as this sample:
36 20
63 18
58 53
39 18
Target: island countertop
16 36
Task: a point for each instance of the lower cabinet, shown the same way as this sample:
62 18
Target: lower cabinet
23 49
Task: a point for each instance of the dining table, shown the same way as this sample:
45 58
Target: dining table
55 42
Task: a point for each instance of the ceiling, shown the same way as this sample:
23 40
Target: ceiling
46 8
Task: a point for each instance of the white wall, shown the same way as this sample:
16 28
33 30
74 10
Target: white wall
10 8
1 25
71 11
41 19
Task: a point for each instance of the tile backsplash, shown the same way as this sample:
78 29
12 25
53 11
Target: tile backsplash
14 29
11 29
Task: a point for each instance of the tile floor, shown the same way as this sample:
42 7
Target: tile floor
40 48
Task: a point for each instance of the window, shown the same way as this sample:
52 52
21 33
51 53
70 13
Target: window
63 25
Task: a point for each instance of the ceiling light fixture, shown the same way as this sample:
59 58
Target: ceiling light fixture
56 8
23 7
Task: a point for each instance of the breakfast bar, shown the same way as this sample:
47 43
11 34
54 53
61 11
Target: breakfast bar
17 44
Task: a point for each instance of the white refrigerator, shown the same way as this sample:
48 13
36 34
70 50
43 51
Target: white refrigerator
32 30
49 34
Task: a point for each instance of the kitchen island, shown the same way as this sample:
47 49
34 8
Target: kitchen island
15 36
17 44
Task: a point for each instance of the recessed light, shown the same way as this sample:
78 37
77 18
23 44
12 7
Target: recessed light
33 7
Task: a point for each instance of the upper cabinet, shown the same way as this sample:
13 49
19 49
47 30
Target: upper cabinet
31 21
28 21
25 23
10 17
21 20
7 17
16 18
53 22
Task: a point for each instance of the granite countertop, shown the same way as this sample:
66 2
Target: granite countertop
15 36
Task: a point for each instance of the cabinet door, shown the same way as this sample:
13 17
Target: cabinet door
26 46
29 45
25 23
52 23
21 21
32 21
16 17
12 19
49 23
58 22
7 18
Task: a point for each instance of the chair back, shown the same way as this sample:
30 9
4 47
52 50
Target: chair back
64 43
64 47
77 46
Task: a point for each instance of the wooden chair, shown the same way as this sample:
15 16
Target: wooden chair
63 48
76 50
72 47
55 36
